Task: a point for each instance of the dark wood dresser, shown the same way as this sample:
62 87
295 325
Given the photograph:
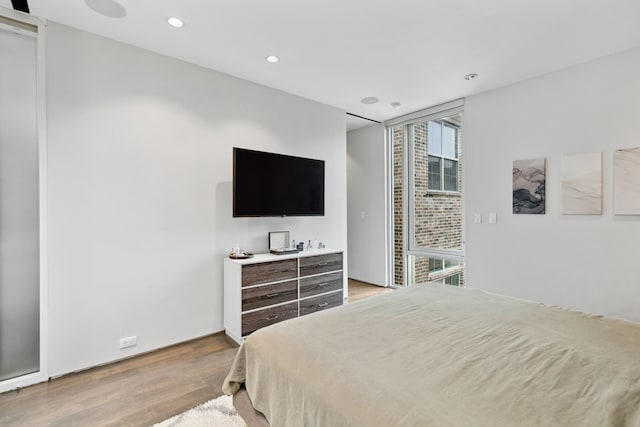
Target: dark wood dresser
268 289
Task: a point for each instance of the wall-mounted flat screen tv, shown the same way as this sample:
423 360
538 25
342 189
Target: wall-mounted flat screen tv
269 184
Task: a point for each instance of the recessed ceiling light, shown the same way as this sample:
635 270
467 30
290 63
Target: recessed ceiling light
175 22
470 76
395 105
369 100
272 58
108 8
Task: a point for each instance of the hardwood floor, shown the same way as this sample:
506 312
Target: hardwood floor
140 391
359 290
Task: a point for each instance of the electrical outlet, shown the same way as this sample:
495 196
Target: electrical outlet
128 342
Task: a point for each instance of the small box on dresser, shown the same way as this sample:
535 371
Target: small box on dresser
268 289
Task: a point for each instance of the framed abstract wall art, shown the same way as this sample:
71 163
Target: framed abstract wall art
582 184
529 186
626 182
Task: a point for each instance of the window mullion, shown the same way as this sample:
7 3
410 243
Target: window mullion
441 173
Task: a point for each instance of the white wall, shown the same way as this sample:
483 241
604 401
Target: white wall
366 189
140 163
582 262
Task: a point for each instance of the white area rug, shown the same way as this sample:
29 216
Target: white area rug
214 413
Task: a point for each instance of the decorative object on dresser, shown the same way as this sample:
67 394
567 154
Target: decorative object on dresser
240 255
268 289
278 240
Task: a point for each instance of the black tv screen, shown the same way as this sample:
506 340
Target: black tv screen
268 184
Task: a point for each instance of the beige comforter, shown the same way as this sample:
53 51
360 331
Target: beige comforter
434 355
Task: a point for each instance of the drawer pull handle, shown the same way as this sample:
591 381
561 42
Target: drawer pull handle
272 317
324 304
323 284
271 295
323 263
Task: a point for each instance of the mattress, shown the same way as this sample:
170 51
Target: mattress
437 355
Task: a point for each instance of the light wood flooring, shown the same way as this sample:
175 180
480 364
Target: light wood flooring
359 290
139 391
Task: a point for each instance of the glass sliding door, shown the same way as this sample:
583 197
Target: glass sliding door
427 196
19 205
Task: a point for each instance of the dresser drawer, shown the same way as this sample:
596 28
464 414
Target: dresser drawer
320 264
323 302
261 318
265 272
315 285
263 296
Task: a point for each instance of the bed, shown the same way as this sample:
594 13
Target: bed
437 355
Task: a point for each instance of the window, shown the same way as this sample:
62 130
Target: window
444 271
449 280
452 280
435 264
425 220
442 148
439 264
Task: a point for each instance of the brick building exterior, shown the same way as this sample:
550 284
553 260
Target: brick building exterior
438 211
398 177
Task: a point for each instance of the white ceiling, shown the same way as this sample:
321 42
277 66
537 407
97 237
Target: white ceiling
415 52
